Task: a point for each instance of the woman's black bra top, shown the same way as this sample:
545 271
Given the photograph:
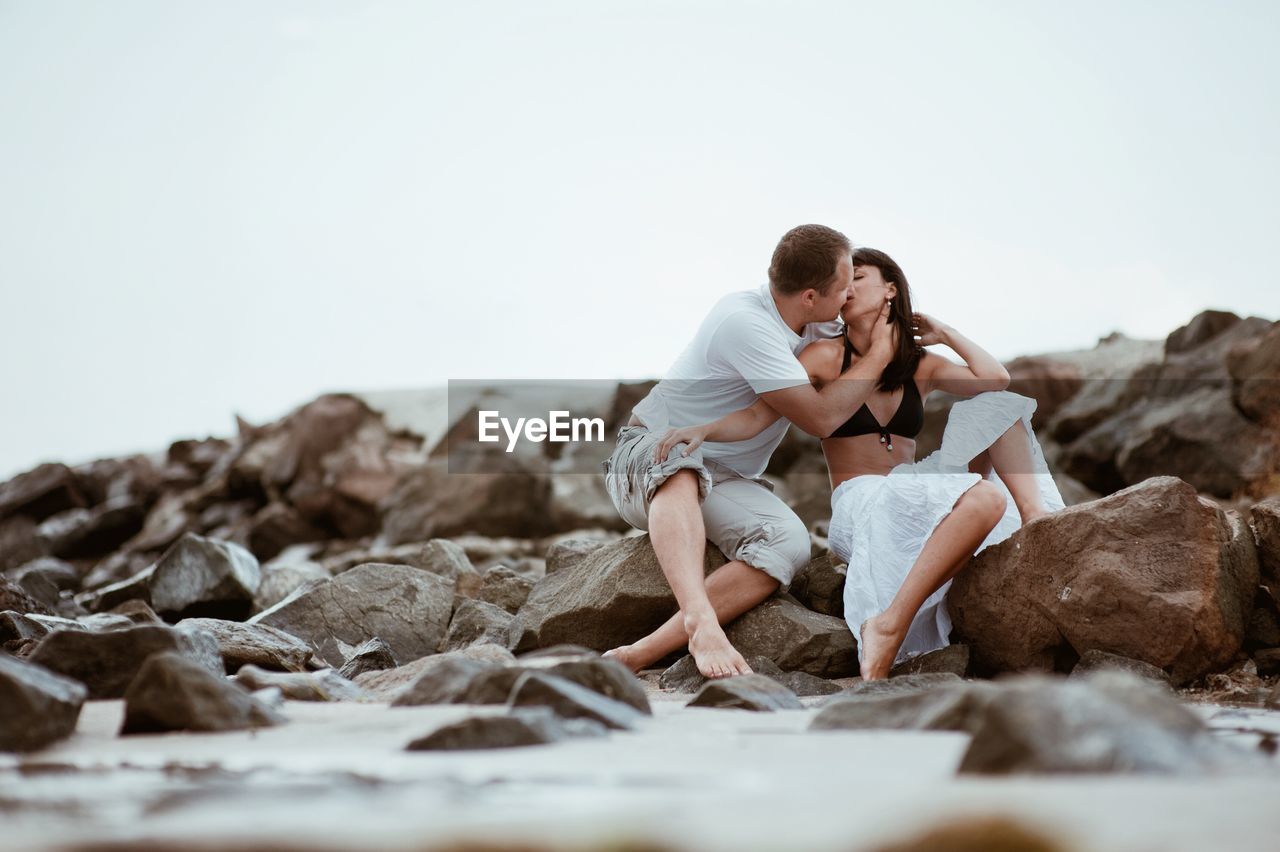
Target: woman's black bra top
907 421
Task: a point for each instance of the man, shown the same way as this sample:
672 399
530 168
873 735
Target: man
744 350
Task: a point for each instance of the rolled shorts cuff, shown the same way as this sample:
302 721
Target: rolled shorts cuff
659 473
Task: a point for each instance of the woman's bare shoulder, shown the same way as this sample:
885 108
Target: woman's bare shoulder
822 359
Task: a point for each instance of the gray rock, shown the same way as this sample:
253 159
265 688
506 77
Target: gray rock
952 707
173 693
1264 517
805 684
281 579
371 656
478 621
107 662
15 598
903 685
387 685
443 683
1095 660
406 607
322 685
136 611
20 627
257 644
101 621
683 674
40 492
572 701
504 587
40 706
136 587
746 692
432 502
524 726
819 586
94 532
201 576
796 638
953 659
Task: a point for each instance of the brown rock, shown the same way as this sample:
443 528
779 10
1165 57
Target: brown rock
746 692
820 585
173 693
40 492
795 638
1153 573
256 644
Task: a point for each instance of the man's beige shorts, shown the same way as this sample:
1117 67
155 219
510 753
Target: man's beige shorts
742 516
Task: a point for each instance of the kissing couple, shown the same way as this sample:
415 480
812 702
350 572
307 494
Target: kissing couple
831 343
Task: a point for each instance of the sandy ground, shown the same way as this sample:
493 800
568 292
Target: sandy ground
337 777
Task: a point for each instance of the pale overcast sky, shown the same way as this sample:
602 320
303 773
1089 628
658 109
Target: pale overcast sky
219 207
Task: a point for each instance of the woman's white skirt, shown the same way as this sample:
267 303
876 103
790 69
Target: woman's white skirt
879 524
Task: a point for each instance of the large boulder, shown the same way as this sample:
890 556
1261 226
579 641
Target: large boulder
795 638
1265 519
406 607
107 662
1255 371
600 597
477 621
40 706
1153 572
201 576
434 502
173 693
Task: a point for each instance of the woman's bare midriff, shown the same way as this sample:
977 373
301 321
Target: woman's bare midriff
864 454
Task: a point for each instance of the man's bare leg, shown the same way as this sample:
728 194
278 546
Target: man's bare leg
1010 456
733 588
680 540
946 551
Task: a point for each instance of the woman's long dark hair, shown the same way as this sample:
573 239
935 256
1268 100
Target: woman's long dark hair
907 356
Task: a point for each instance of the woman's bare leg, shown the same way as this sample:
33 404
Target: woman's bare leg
1010 456
947 550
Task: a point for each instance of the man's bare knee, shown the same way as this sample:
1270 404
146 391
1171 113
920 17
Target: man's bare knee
681 484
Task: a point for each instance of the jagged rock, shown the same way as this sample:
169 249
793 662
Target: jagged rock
1254 366
1264 517
136 611
1153 573
281 579
173 693
1095 660
1108 722
165 523
257 644
1202 328
406 607
746 692
432 503
40 492
371 656
322 685
796 638
106 662
444 683
15 598
40 706
805 684
477 621
504 587
953 659
17 629
601 598
683 674
277 526
82 533
102 621
137 587
572 701
522 726
819 586
18 542
910 684
948 707
199 577
387 685
57 573
1050 382
605 676
567 552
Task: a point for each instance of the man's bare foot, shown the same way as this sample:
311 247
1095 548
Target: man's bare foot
626 655
879 647
712 651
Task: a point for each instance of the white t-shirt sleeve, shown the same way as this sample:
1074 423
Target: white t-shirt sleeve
757 352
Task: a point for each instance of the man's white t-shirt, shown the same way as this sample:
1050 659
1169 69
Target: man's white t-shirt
742 349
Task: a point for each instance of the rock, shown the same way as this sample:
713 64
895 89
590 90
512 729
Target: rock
444 683
805 684
18 542
746 692
819 586
281 579
683 674
1267 660
478 621
89 533
1050 382
950 707
504 587
57 573
432 503
1264 517
610 596
407 608
256 644
322 685
277 526
953 659
387 685
907 684
101 621
1254 366
13 597
523 726
40 492
137 587
1153 573
136 611
1108 722
567 552
796 638
40 706
1202 328
19 628
558 653
200 576
606 677
571 701
173 693
1095 660
371 656
107 662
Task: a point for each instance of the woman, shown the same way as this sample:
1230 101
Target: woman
905 528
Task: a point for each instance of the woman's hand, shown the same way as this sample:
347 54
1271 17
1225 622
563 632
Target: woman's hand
929 330
691 435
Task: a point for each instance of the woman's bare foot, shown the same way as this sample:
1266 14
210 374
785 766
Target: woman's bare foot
626 655
879 646
712 651
1032 514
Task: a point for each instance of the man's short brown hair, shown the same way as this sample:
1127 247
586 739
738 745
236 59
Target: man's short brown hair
806 257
